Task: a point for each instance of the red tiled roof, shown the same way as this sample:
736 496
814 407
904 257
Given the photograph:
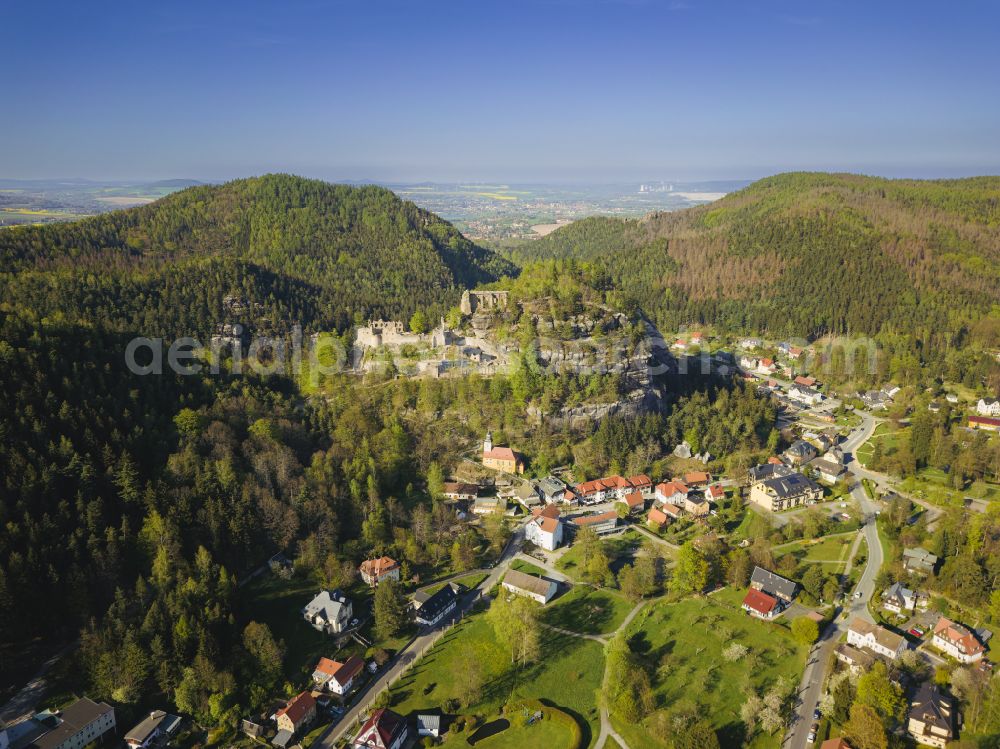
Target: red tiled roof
766 362
298 707
348 670
774 461
548 525
658 516
985 421
806 381
634 499
715 491
378 567
759 602
958 636
838 743
385 722
500 453
327 666
549 511
671 488
697 477
641 480
673 510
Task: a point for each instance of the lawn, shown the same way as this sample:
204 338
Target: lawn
616 547
567 675
934 485
830 551
588 610
683 643
547 732
887 435
469 581
527 568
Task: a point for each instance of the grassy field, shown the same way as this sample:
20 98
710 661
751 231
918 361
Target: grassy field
527 568
934 485
469 581
616 547
830 551
884 433
547 732
588 610
567 676
683 642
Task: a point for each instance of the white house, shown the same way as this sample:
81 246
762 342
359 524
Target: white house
523 584
898 599
805 395
150 729
878 639
329 612
671 492
748 363
384 729
337 676
545 529
988 407
957 641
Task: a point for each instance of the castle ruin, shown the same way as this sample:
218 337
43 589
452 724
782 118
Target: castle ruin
483 301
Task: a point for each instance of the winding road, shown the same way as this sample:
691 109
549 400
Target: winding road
810 688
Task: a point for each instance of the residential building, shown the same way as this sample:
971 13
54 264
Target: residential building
766 366
544 531
800 452
436 607
767 471
603 490
672 492
898 599
919 560
879 640
957 641
336 676
876 400
696 479
429 724
697 505
988 407
330 612
552 490
384 729
673 512
299 713
783 492
488 505
772 584
634 502
603 524
457 490
532 586
526 493
642 484
374 571
858 660
838 743
751 343
501 458
930 720
74 727
804 381
761 605
807 396
150 730
714 493
829 471
748 363
658 518
986 423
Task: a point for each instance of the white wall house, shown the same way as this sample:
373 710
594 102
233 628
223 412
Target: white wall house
957 641
878 639
545 532
988 407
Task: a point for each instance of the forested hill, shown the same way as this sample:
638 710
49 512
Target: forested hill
807 254
295 249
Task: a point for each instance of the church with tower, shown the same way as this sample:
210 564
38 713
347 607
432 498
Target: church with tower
501 458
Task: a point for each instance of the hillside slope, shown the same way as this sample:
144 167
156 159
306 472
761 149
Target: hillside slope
807 254
297 249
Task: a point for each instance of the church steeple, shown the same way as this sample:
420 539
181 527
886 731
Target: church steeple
488 442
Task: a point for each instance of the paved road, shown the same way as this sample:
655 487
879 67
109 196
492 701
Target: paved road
411 652
812 679
31 694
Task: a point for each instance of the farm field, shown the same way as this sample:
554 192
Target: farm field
684 643
566 676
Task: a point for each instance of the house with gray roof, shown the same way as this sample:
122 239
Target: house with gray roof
772 584
919 560
330 612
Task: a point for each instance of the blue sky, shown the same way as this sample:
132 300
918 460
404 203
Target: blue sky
547 90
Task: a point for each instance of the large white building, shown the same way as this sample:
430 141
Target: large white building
545 529
988 407
329 612
957 641
523 584
877 639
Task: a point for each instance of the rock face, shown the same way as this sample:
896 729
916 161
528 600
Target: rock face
636 403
